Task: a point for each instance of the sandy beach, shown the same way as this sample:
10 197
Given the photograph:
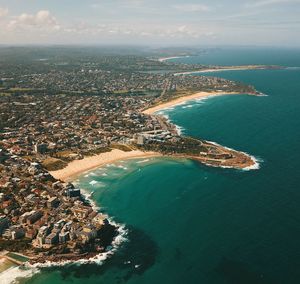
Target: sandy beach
199 95
235 68
77 167
162 59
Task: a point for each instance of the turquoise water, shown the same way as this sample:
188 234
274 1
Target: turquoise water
189 223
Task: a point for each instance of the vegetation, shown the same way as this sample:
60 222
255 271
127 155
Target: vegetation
121 147
53 164
96 151
15 245
185 146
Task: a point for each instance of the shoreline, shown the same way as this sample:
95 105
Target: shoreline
162 59
181 100
251 163
27 269
77 167
230 68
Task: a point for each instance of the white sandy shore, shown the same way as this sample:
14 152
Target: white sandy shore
177 101
77 167
237 68
172 57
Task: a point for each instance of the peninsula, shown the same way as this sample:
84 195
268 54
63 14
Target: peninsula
211 69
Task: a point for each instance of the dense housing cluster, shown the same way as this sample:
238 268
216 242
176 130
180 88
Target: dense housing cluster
42 215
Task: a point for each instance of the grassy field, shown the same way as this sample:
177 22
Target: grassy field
54 164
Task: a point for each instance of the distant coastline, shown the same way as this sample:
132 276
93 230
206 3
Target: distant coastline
162 59
229 68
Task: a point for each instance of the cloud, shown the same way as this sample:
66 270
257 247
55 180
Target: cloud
151 32
185 31
3 12
42 20
44 27
257 4
192 8
102 3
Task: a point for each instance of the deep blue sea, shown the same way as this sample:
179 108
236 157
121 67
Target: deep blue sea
188 223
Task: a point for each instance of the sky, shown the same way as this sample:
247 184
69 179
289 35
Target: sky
151 22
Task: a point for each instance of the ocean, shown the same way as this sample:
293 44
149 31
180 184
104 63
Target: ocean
189 223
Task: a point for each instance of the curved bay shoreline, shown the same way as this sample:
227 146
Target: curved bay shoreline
77 167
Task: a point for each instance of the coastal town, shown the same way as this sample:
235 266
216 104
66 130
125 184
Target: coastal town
41 216
55 113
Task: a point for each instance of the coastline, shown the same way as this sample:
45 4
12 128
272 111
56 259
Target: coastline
162 59
180 100
20 272
77 167
247 161
233 68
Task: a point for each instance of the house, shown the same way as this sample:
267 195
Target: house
82 212
51 239
53 202
36 215
88 233
4 221
17 233
73 192
140 140
64 237
40 148
30 233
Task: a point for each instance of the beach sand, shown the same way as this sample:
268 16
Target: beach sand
5 264
162 59
180 100
233 68
77 167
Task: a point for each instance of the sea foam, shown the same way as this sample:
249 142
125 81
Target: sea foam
256 160
122 167
179 129
14 274
143 161
98 259
93 182
11 276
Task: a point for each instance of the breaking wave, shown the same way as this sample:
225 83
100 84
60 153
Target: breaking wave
15 274
143 161
93 182
257 161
